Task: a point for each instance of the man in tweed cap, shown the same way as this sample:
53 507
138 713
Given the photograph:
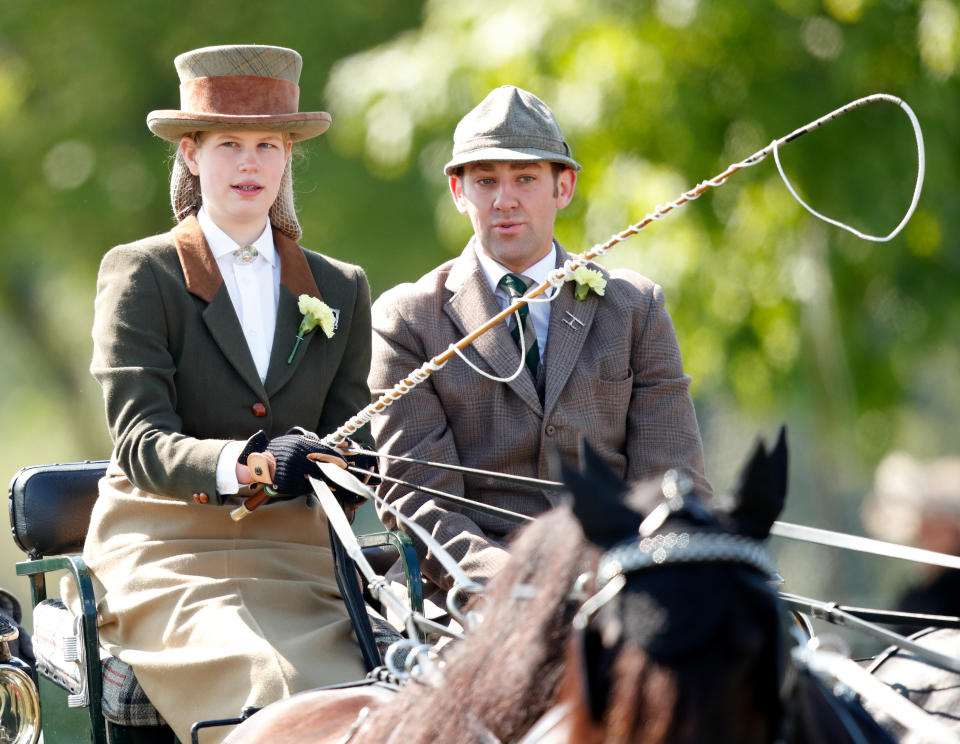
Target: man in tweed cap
600 363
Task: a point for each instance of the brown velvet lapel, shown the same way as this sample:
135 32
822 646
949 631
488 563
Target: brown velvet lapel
202 274
295 272
200 268
203 279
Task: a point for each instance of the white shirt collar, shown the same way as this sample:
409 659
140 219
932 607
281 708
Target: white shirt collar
222 244
494 271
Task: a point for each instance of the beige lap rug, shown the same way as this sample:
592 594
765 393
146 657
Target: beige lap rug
213 614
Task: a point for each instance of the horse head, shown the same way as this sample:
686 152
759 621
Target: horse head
682 641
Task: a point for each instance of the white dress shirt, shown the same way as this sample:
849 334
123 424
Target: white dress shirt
254 290
539 311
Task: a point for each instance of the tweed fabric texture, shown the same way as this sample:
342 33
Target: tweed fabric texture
124 700
510 124
248 611
615 378
242 86
177 375
240 59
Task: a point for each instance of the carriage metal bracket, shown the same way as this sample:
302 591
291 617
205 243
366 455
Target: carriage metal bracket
833 613
195 728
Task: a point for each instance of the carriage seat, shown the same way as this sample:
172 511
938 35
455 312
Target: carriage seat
50 508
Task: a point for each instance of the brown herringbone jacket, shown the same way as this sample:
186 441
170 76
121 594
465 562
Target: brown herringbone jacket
617 380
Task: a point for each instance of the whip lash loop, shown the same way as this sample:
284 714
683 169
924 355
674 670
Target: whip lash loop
918 135
556 277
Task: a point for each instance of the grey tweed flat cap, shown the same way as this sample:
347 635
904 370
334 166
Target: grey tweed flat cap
509 125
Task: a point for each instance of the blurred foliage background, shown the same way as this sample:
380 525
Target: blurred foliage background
781 319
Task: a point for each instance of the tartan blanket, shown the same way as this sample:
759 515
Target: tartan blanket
124 701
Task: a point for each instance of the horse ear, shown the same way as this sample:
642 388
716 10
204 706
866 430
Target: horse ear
779 462
761 490
598 499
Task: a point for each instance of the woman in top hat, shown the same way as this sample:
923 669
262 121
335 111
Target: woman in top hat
196 348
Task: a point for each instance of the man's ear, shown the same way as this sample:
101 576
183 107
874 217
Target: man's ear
456 191
566 184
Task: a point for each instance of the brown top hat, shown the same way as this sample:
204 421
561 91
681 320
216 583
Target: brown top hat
239 86
509 125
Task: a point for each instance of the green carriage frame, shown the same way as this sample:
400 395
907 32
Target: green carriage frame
50 508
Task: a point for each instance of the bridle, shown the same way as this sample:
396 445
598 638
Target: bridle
701 540
651 549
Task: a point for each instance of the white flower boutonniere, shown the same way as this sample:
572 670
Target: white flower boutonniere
316 312
586 280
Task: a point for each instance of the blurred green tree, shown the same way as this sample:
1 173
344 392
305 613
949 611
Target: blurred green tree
779 316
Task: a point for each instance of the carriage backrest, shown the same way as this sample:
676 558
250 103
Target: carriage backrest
50 506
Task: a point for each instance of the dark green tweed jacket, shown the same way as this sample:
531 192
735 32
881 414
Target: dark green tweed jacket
177 376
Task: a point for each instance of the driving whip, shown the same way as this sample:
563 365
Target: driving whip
557 277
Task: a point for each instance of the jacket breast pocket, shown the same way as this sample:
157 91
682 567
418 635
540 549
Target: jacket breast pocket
598 409
611 399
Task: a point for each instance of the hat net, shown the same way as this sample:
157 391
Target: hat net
185 197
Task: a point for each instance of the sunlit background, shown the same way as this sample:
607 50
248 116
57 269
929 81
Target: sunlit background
780 318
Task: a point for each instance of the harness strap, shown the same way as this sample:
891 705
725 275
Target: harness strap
844 670
831 612
343 569
863 544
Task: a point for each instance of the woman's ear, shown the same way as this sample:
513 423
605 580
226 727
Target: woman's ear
188 151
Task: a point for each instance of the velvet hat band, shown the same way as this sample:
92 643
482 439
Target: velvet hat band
240 95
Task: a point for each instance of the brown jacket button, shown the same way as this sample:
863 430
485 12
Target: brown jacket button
201 498
259 410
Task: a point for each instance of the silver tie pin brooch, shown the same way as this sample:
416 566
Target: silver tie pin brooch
572 321
245 256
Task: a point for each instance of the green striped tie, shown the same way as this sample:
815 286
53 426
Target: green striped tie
516 286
